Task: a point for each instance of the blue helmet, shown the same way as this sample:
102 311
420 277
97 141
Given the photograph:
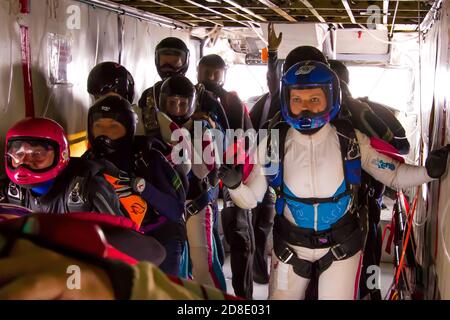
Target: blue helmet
309 75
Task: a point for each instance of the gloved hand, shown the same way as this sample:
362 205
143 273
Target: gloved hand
436 163
231 175
203 116
273 40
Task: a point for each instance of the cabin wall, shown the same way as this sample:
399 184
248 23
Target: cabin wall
97 38
441 132
432 219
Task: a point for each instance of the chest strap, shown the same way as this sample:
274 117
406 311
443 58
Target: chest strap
312 201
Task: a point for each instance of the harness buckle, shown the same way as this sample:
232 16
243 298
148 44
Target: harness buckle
192 209
338 252
286 255
15 192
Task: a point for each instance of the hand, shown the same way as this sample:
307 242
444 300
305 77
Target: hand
32 272
436 163
273 40
202 116
231 175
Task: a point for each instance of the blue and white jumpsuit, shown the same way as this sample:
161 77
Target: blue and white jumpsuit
313 168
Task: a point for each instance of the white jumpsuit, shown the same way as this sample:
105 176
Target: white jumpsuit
313 168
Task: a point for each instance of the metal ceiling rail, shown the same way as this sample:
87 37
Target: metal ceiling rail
393 19
215 11
135 13
236 12
278 10
248 11
385 11
184 12
349 11
313 11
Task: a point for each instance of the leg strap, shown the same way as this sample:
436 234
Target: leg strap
307 269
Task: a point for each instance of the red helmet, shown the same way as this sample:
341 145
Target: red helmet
35 136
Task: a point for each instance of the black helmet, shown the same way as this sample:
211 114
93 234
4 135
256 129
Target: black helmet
340 69
210 66
177 98
111 77
212 60
119 109
173 47
303 53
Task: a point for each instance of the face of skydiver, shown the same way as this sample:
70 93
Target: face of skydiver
171 57
109 137
108 127
177 99
211 75
35 155
211 72
36 152
171 61
177 106
111 128
310 96
307 100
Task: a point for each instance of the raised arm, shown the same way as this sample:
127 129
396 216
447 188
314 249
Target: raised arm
273 79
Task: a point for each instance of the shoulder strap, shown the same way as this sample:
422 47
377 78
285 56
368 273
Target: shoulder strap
283 127
200 91
265 110
155 103
350 152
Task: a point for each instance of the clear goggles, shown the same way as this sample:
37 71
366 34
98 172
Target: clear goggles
37 155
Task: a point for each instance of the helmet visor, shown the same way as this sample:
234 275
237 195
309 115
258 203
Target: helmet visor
309 100
178 106
211 74
170 59
37 155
